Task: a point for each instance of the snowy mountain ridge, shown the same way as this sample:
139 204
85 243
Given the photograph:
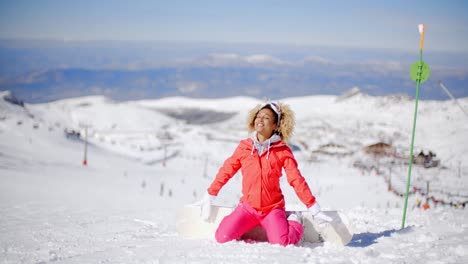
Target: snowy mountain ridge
145 159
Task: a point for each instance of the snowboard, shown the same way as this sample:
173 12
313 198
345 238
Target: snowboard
190 225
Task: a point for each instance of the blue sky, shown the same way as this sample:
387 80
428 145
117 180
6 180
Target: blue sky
365 24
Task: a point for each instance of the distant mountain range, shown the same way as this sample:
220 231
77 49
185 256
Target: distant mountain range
123 76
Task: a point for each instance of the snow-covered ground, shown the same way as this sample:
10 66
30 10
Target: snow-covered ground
148 158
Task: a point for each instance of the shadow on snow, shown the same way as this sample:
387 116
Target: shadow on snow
367 239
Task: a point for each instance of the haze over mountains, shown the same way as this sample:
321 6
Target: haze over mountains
41 71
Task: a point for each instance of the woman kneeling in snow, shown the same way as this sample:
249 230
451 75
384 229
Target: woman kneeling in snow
261 159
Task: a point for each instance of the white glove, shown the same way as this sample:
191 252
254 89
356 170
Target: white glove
205 205
319 216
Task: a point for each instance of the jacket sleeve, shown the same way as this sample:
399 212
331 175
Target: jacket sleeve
226 172
296 180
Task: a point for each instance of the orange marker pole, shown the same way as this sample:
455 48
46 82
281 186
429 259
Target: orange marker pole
85 158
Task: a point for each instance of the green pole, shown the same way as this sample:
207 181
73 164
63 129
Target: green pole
419 73
418 83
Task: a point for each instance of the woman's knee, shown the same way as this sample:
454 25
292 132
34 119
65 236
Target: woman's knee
233 226
222 237
282 241
292 237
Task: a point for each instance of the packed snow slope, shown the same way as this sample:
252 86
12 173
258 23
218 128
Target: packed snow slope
146 159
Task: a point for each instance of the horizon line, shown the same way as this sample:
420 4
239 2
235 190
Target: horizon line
224 43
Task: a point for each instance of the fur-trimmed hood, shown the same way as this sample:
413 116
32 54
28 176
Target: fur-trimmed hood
287 121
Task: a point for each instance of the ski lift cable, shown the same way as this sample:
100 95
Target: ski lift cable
451 97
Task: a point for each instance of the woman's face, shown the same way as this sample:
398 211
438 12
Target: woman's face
265 122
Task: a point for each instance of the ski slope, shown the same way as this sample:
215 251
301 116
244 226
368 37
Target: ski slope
148 158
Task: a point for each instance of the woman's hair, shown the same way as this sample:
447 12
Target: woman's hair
286 122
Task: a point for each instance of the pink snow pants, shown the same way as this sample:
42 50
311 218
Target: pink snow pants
278 229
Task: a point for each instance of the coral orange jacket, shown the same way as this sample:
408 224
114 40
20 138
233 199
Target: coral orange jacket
261 176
